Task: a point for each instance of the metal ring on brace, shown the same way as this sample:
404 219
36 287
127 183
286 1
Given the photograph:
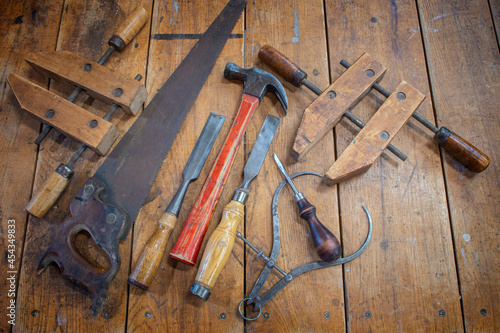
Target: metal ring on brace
241 314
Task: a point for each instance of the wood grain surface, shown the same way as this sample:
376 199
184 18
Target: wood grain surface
433 264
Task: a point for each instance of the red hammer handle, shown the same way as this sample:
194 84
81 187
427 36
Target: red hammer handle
189 242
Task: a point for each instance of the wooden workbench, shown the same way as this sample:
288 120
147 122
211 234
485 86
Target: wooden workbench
433 264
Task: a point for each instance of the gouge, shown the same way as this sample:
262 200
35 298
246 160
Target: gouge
221 241
152 255
257 83
326 244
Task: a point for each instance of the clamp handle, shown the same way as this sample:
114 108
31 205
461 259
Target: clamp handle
284 66
128 29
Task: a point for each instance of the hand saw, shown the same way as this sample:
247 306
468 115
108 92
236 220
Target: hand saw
109 201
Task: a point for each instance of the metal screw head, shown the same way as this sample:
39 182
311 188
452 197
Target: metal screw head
147 314
483 312
118 92
401 96
87 67
331 94
369 73
442 313
327 315
384 135
50 113
93 123
105 314
368 314
222 316
288 278
266 315
111 218
89 189
34 313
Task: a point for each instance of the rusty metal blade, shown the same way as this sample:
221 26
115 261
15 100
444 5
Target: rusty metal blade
131 168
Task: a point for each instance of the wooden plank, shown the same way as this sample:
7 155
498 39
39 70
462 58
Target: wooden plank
407 276
25 26
98 81
314 302
168 305
66 117
85 29
371 141
466 100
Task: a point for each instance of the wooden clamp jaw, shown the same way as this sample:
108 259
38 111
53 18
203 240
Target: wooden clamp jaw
371 141
325 112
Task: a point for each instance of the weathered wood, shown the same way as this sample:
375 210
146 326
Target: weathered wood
314 302
98 81
325 112
463 59
371 141
68 118
85 29
170 305
25 26
407 275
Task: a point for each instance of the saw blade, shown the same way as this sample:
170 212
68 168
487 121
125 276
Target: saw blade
131 168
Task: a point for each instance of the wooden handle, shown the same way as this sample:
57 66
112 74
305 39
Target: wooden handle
51 190
127 31
189 242
462 150
152 255
326 244
281 64
220 245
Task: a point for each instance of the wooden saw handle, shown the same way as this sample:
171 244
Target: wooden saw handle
281 64
467 154
152 255
128 29
189 242
220 245
50 192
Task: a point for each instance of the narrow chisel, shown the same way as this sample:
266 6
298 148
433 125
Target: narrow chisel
221 241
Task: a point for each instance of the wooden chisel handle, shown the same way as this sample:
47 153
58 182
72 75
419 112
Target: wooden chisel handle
219 247
128 29
189 242
284 66
152 255
467 154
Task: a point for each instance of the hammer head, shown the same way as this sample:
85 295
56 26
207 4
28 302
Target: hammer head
257 82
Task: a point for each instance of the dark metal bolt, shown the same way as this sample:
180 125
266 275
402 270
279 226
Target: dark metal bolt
222 316
442 313
93 123
50 113
148 314
369 73
327 315
401 96
34 313
483 312
87 67
105 314
368 314
384 135
331 94
288 278
266 315
118 92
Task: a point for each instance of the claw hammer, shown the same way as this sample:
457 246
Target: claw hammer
256 83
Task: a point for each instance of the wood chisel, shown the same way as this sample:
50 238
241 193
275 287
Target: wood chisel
221 241
152 255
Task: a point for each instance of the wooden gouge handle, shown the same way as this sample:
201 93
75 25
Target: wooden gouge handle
218 249
51 190
153 252
467 154
326 244
128 29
